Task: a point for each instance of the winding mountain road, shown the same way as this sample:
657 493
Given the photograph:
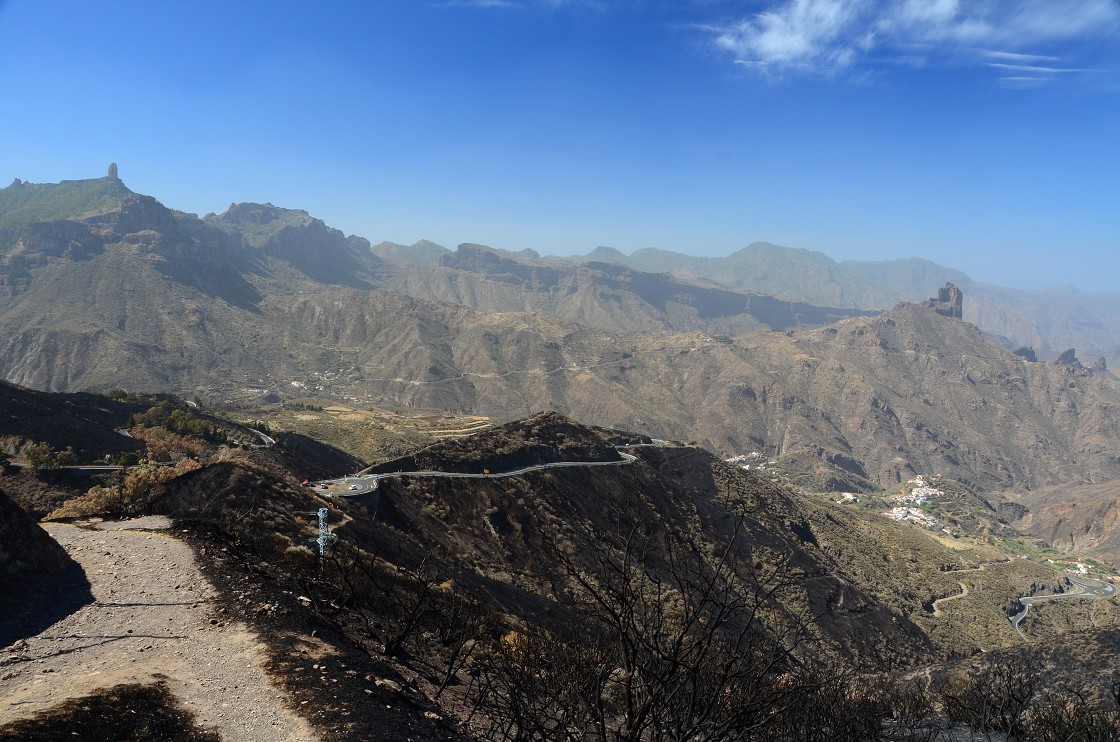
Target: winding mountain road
937 603
1083 588
366 483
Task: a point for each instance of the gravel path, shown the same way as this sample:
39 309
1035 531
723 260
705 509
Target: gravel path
153 617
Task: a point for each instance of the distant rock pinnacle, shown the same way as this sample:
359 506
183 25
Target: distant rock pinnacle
1068 358
949 302
113 171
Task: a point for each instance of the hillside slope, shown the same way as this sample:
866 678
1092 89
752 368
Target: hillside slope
1050 320
873 400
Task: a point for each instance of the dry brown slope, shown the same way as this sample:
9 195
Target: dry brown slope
1081 520
871 399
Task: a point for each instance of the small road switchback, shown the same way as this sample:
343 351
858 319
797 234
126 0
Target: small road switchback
1082 588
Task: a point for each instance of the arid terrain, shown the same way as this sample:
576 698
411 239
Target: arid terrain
302 487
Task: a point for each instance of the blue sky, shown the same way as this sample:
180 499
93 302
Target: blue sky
983 135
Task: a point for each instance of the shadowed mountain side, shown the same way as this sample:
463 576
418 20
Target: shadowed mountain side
178 246
311 458
865 401
291 236
805 274
508 527
499 539
144 297
599 294
87 423
544 438
120 322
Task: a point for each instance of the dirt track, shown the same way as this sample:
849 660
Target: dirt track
152 617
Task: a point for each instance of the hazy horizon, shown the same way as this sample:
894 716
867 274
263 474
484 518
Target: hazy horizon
981 138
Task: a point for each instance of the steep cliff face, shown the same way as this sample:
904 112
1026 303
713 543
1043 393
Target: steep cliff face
321 253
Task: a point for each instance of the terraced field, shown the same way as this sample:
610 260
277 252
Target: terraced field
372 434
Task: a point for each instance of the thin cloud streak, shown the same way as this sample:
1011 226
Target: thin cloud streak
1018 57
1032 68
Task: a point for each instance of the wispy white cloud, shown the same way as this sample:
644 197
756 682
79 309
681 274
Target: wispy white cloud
478 4
1016 82
830 36
801 33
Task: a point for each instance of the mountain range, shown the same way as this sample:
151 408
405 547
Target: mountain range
1049 321
102 288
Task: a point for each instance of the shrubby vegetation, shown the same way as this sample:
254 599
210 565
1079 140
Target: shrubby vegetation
43 456
179 421
163 445
303 406
126 498
121 395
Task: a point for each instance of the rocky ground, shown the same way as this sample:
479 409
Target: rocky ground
153 619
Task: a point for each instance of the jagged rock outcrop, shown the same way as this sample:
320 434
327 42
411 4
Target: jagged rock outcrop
113 171
949 302
1068 358
1027 353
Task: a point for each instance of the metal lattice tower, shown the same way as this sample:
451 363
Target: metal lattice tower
326 538
325 535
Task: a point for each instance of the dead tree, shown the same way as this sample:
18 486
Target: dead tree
675 641
993 700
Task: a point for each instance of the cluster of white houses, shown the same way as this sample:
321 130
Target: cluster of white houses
910 503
